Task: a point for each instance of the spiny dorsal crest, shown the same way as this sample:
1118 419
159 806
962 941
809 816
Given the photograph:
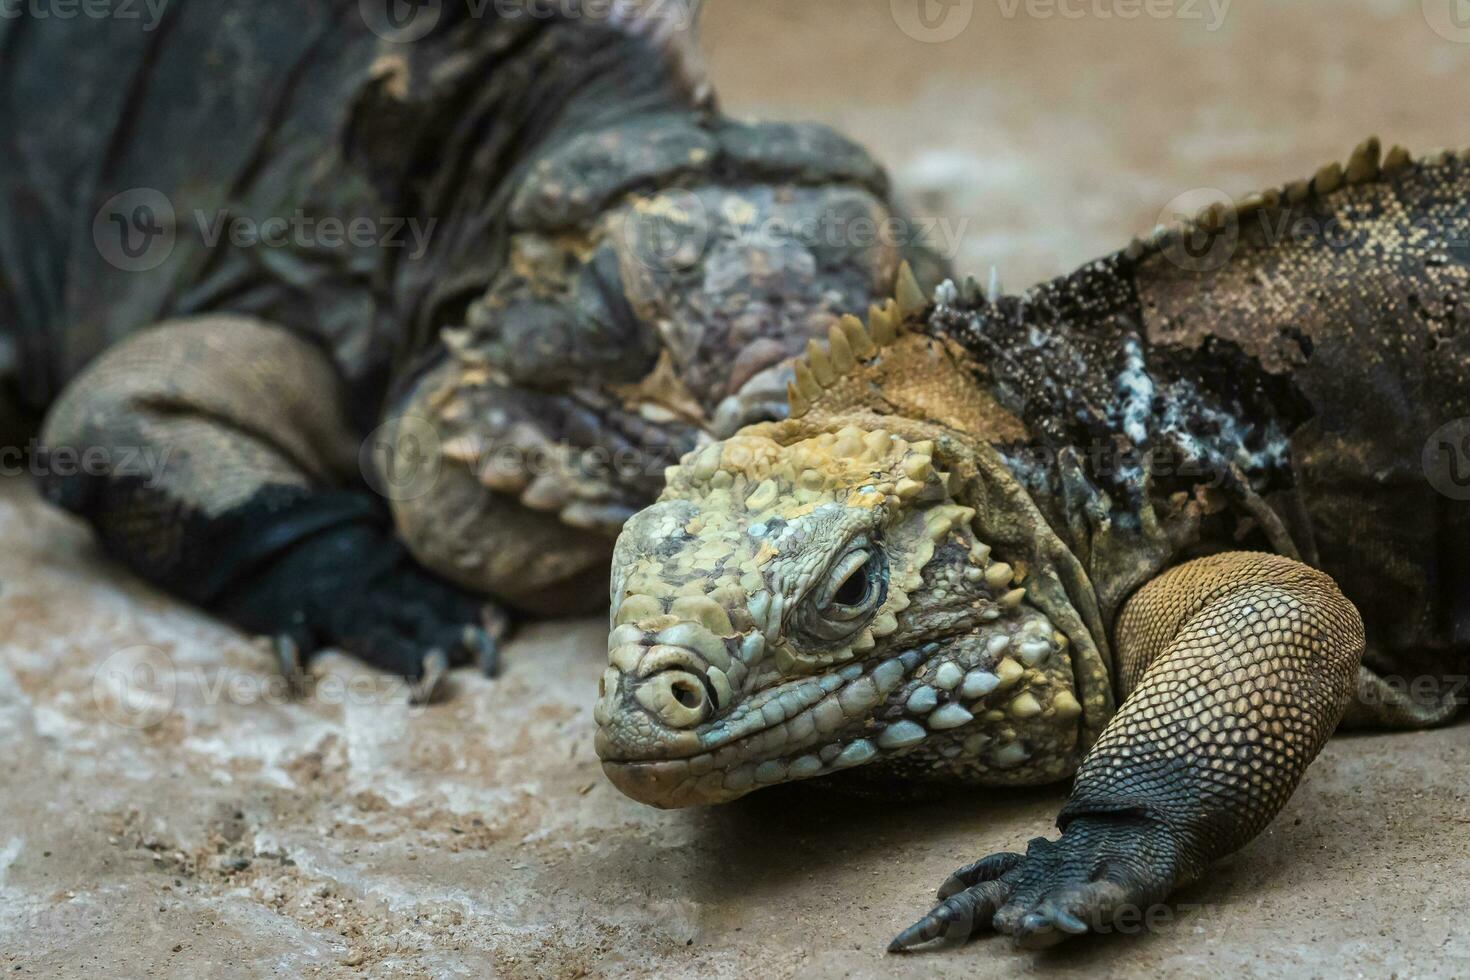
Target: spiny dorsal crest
851 343
1368 163
870 466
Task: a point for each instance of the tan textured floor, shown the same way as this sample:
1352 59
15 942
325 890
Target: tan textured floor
217 832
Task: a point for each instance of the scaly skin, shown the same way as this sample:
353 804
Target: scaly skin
599 289
1119 527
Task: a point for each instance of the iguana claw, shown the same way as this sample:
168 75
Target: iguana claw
427 687
1101 868
291 665
483 642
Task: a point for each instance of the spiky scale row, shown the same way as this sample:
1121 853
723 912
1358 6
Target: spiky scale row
851 343
1367 163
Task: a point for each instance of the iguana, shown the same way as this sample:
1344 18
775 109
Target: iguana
572 266
1158 525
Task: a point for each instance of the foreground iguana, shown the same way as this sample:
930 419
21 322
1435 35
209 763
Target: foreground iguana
572 265
1120 527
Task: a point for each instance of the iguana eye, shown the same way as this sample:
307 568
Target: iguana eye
855 582
844 599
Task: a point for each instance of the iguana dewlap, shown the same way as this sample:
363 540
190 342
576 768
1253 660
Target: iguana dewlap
526 253
1159 525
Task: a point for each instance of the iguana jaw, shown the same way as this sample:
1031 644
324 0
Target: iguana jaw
733 665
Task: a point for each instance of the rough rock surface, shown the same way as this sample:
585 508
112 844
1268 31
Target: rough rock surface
218 831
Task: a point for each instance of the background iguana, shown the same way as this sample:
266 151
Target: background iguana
573 265
1120 527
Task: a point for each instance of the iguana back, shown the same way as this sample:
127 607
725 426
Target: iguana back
212 112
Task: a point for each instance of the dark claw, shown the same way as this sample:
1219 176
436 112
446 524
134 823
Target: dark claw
1102 865
426 688
1036 931
985 869
495 627
291 665
484 648
1069 923
955 919
926 929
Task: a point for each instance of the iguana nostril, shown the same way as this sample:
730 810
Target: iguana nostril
686 693
677 698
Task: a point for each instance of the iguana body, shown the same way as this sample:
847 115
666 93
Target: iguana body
507 309
1120 526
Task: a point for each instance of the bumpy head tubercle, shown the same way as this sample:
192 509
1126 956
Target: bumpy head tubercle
763 487
860 467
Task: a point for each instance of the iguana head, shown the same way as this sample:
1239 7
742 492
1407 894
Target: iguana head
615 270
817 594
660 275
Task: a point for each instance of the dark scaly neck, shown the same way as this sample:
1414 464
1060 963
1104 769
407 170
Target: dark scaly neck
1119 427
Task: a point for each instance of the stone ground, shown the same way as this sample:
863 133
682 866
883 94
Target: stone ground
210 829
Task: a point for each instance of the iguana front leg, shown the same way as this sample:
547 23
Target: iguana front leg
215 458
1236 668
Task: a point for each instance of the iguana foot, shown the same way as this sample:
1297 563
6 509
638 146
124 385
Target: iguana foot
1102 867
355 588
482 644
427 688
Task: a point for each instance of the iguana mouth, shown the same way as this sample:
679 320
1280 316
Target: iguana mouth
805 727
